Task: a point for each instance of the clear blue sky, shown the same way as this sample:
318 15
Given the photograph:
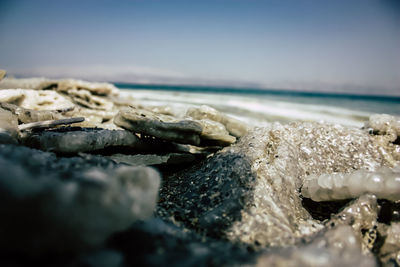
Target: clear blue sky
311 44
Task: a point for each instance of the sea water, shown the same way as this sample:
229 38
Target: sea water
259 107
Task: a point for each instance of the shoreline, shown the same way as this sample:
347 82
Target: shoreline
133 178
255 111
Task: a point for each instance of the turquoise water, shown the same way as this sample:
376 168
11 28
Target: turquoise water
364 103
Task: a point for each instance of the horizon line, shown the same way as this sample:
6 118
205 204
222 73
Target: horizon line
252 90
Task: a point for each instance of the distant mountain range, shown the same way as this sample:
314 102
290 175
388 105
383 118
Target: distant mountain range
144 75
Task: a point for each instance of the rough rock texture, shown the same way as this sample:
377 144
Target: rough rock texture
161 126
383 182
249 192
202 132
36 100
80 201
390 251
214 133
93 87
81 140
362 215
233 126
86 99
29 115
75 98
336 247
243 205
384 124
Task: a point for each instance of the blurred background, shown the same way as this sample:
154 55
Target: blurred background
341 46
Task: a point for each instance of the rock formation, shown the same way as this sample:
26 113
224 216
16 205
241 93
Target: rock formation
76 188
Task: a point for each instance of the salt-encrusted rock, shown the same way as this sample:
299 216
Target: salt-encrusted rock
383 183
347 240
29 115
2 74
385 124
249 192
102 115
36 100
362 215
86 99
81 140
54 204
214 134
203 132
158 125
49 123
95 118
234 127
8 127
93 87
389 253
336 247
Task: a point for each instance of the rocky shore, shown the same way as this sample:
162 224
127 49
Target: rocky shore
88 178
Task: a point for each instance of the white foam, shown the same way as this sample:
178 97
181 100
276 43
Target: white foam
252 109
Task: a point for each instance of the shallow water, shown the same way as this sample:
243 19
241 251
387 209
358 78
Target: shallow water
260 107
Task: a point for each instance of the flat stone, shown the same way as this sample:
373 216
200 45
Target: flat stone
81 140
153 159
214 134
160 126
233 126
202 132
49 123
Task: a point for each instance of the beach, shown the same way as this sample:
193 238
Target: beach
148 177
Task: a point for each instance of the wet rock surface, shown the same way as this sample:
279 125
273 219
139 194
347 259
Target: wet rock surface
83 194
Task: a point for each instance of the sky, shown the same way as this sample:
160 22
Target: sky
337 46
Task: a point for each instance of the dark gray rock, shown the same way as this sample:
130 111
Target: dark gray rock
206 200
160 243
68 205
81 140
